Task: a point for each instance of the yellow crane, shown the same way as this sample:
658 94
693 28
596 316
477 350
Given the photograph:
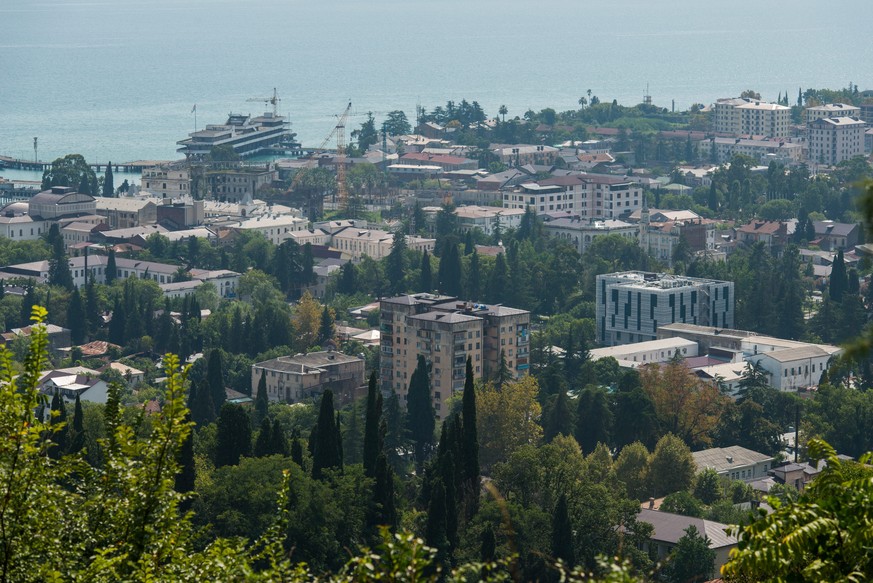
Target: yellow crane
338 131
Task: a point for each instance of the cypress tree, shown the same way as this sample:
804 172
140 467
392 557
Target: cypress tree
425 282
470 445
187 473
339 438
263 444
348 283
562 534
372 427
395 264
839 282
419 411
384 508
233 436
118 323
326 330
59 270
84 184
474 280
262 402
450 272
593 419
77 443
215 378
468 243
296 449
498 281
108 182
325 442
111 269
92 310
58 423
278 443
27 306
435 529
853 285
395 430
488 552
560 420
447 478
200 403
76 319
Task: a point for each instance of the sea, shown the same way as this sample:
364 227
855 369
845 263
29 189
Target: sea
118 79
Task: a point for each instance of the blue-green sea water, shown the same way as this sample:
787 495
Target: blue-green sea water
117 79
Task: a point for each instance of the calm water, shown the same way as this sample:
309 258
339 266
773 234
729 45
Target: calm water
116 79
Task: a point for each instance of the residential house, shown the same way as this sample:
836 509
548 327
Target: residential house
734 462
300 377
832 236
773 234
125 212
831 110
582 233
58 337
521 154
647 352
487 218
69 383
668 528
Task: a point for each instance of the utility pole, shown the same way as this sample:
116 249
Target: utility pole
35 155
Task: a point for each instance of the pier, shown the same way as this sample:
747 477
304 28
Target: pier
41 166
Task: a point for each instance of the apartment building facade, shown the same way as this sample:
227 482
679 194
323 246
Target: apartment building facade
296 378
831 110
835 139
631 305
591 196
446 331
742 115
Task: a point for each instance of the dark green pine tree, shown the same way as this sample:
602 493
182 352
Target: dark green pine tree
420 418
451 273
447 477
233 436
488 552
384 511
200 403
262 401
562 534
853 285
187 473
77 441
395 264
469 246
108 182
593 418
560 419
348 282
92 308
470 445
325 442
839 281
27 304
111 269
118 324
326 330
59 270
296 449
498 282
395 434
215 378
84 184
263 443
59 428
435 529
278 440
425 283
474 278
373 438
76 318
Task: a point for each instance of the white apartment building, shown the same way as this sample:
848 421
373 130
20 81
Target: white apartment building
276 228
652 351
125 212
761 150
834 139
765 119
742 115
831 110
631 305
591 196
581 233
486 218
173 180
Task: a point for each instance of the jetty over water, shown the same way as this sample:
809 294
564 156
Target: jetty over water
135 166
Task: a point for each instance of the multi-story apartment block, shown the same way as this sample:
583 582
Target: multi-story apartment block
631 305
834 139
591 196
292 379
724 149
831 110
171 180
742 115
446 331
374 243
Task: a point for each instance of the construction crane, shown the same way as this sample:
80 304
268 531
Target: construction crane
339 132
274 101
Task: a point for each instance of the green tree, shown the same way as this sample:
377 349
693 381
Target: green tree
396 124
325 443
59 271
450 272
470 444
215 379
671 467
108 182
593 418
186 476
233 435
76 320
562 533
839 279
420 419
426 278
691 561
348 281
326 331
373 436
383 494
60 430
395 267
559 421
69 171
367 135
707 487
683 503
111 269
632 469
264 440
200 403
262 401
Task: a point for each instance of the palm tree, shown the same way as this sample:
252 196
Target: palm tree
503 111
